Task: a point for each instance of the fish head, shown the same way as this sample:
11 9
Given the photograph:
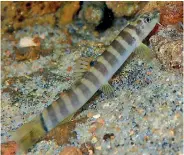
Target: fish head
145 23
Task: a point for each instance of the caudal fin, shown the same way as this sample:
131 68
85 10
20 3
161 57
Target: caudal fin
27 135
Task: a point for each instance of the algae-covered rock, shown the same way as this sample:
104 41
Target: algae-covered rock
92 12
128 8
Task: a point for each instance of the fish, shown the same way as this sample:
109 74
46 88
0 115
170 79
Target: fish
105 66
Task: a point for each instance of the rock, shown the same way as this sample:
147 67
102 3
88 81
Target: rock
168 46
124 8
108 136
93 15
9 148
172 13
66 13
20 14
87 148
63 132
70 150
92 12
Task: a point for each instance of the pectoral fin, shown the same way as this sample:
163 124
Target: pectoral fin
144 52
107 89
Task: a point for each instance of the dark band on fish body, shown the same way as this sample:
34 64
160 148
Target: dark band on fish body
62 107
43 123
85 89
52 115
138 31
109 57
92 78
101 68
118 47
74 98
127 37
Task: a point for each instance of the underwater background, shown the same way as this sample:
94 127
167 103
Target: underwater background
40 43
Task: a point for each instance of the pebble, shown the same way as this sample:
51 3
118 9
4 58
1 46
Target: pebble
70 150
96 116
94 140
87 148
108 136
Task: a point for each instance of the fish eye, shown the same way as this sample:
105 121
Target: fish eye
147 19
92 63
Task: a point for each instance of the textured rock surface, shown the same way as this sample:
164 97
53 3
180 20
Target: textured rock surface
65 14
125 8
16 15
168 46
9 148
92 12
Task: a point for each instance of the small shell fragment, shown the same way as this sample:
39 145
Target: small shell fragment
96 116
27 42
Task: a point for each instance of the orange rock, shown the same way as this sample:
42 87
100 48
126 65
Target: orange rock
69 69
68 11
172 13
9 148
70 150
63 132
21 14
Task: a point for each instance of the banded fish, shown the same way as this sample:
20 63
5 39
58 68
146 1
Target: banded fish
128 40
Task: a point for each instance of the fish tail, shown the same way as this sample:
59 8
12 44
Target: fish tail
28 134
